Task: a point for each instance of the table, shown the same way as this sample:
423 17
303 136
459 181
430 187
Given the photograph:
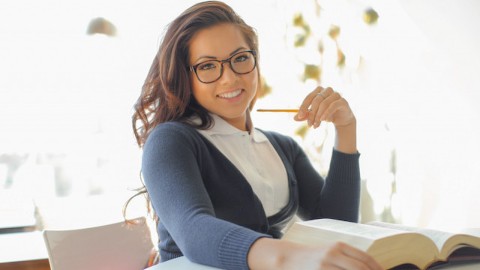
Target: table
23 251
183 263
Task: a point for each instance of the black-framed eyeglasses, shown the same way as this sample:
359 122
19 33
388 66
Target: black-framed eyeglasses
210 71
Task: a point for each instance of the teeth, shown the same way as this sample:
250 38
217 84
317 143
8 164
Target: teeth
230 94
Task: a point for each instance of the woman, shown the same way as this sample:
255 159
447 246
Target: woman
223 190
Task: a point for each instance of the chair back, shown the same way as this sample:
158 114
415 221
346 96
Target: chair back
117 246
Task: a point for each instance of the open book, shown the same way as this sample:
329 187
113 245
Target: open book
390 244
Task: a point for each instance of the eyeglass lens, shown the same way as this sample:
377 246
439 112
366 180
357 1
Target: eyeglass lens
240 63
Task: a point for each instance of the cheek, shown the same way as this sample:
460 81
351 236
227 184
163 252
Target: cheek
196 87
255 82
200 91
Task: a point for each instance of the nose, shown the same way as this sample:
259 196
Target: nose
228 74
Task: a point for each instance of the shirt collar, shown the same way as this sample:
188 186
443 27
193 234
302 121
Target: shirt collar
222 127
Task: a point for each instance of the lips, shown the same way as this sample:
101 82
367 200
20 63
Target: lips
231 94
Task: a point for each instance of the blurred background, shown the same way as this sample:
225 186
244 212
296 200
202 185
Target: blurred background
70 72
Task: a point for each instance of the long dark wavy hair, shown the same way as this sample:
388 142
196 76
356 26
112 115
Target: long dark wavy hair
166 93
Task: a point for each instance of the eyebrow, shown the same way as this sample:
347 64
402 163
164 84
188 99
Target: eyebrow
214 58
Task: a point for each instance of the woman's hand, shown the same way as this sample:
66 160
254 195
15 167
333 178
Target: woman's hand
276 254
326 105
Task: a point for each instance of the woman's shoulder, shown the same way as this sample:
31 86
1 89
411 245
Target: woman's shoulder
172 126
171 132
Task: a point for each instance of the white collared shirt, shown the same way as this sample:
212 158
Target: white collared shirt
254 156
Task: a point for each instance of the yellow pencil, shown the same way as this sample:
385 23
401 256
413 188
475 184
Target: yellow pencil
278 110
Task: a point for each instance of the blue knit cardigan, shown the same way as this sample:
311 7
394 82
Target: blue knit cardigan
209 212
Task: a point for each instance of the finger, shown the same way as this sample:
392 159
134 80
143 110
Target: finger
320 105
346 257
336 104
339 113
304 108
360 257
333 257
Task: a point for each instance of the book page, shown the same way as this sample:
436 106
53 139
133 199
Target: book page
446 242
390 247
327 231
471 231
347 231
358 229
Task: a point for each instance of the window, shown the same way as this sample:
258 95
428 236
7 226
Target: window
66 97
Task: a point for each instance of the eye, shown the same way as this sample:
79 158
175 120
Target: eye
206 66
242 57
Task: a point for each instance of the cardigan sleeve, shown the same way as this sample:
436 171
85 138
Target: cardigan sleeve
337 196
341 193
172 176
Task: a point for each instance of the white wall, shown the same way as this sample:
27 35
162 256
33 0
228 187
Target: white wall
67 93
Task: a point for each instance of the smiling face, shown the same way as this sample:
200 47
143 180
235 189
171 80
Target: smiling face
229 96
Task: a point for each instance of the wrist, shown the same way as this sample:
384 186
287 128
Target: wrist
268 253
351 125
346 138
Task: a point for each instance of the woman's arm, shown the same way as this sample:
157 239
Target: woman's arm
268 253
338 196
321 198
326 105
173 178
346 138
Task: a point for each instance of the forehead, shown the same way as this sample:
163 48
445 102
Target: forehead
218 41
